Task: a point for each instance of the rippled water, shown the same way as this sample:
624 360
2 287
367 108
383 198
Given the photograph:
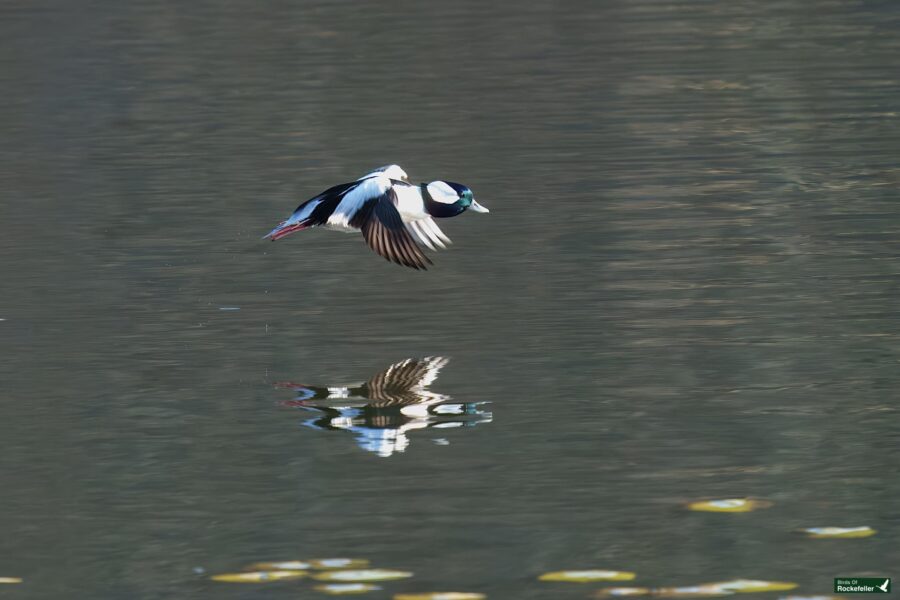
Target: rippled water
686 289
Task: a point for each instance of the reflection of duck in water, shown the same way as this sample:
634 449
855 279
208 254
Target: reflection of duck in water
382 410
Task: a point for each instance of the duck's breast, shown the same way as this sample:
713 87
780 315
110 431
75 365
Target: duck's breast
409 203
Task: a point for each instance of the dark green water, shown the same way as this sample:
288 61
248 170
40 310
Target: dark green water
687 288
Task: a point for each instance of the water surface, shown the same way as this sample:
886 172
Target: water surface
686 288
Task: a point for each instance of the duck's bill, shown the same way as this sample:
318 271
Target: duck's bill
478 208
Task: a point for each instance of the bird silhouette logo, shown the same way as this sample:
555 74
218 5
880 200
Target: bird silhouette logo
884 586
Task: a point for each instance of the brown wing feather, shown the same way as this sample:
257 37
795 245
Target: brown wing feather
394 386
386 234
402 375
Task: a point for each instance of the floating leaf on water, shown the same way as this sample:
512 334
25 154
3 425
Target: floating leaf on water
839 532
441 596
742 586
587 576
340 589
338 563
362 575
259 576
708 590
618 592
10 579
729 505
693 591
285 565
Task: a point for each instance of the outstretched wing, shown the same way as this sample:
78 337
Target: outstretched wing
428 233
385 233
404 382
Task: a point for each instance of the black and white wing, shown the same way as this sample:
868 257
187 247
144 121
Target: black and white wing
404 382
419 223
391 171
384 231
428 233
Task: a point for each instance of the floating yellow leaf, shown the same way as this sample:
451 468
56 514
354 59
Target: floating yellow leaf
259 576
707 590
362 575
340 589
742 586
618 592
338 563
729 505
286 565
587 576
839 532
441 596
10 580
693 591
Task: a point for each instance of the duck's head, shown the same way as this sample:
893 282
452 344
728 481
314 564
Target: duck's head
394 172
448 199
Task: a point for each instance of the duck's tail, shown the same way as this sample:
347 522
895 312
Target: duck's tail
286 228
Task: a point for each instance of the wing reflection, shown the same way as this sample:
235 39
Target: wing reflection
382 411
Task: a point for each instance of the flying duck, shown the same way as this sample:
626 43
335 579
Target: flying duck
392 213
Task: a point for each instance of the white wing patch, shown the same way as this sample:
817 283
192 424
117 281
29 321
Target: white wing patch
435 364
426 231
390 171
415 229
371 187
435 231
418 222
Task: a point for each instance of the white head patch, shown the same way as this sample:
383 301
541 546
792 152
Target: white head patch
441 192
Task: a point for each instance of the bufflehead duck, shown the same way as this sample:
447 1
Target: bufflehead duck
391 213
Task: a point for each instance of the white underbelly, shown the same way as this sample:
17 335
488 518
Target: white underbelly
340 225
